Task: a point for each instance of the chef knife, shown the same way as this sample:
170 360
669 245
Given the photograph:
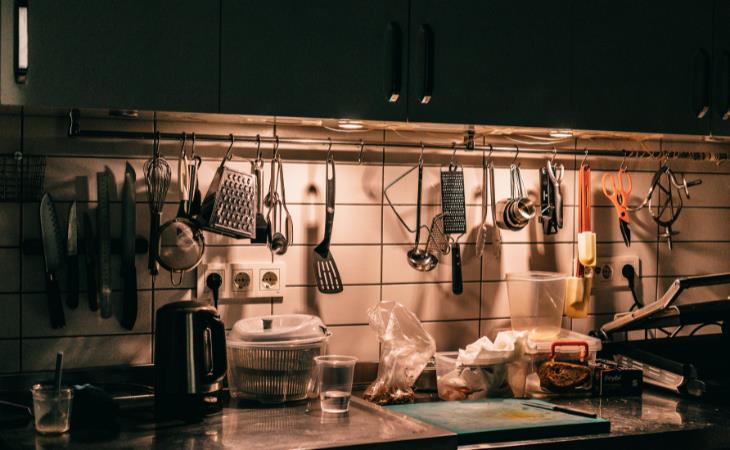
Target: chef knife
129 271
104 244
91 267
72 258
52 238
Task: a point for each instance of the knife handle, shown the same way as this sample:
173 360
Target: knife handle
55 306
129 299
72 279
457 285
154 243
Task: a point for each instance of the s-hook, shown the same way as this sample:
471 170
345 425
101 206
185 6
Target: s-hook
229 152
517 153
362 149
258 148
329 150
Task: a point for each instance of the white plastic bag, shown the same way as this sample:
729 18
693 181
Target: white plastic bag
405 350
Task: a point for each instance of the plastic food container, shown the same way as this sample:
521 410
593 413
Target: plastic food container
271 358
561 366
536 302
473 381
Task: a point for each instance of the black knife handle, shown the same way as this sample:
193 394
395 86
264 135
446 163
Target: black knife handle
457 285
154 243
55 306
129 299
72 280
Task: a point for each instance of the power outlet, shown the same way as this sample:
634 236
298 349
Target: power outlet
242 280
607 273
256 280
204 270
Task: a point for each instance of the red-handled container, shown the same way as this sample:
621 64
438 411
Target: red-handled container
561 366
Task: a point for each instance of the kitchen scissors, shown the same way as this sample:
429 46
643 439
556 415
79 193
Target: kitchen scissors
618 193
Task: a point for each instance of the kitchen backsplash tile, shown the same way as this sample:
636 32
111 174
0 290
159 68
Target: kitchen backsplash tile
369 244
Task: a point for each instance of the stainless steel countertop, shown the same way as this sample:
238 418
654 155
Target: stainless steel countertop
655 419
247 425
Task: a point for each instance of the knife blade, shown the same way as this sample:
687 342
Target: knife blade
104 244
72 258
129 233
91 267
53 253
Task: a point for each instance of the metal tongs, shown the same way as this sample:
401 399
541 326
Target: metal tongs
280 225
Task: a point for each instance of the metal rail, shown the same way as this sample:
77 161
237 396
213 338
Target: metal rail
75 131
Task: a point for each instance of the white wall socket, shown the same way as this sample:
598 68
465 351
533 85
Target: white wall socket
607 273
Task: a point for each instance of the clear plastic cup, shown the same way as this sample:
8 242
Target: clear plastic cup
334 377
536 301
52 409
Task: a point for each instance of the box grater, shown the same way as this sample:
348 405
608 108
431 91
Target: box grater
452 200
230 205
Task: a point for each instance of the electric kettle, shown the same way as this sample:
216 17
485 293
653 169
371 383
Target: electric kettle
190 359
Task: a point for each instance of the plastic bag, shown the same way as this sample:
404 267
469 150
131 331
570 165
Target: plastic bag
406 348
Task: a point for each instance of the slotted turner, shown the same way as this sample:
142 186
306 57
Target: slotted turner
325 268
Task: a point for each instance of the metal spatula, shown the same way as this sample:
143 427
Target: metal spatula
325 269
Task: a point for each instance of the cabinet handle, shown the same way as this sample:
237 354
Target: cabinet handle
725 86
21 41
427 40
393 62
701 85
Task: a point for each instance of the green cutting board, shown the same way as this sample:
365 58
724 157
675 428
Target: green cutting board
492 420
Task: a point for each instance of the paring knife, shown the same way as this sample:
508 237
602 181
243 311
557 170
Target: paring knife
91 266
104 244
72 258
53 252
129 271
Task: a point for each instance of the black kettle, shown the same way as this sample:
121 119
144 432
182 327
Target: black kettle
190 359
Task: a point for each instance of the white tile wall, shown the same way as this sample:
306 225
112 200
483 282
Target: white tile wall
369 244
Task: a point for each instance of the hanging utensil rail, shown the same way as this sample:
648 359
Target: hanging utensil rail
75 131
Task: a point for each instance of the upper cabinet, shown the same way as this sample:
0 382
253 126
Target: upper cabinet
153 55
720 108
643 65
499 62
324 58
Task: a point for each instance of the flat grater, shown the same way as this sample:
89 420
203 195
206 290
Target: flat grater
452 200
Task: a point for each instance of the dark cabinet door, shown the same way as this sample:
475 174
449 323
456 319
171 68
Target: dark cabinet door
320 58
720 109
152 55
643 65
501 62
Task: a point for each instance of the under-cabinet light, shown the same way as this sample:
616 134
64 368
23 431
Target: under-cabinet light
561 133
350 124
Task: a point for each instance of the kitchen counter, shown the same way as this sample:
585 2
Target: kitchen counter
653 419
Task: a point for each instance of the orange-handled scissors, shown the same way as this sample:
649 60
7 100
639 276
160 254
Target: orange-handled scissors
619 192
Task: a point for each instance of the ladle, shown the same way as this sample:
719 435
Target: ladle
419 259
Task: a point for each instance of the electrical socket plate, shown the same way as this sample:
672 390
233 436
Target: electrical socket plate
257 280
204 293
243 280
607 273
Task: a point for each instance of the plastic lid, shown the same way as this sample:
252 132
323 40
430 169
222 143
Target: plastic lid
285 328
534 347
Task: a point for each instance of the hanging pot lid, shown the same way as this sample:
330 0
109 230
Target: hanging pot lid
279 329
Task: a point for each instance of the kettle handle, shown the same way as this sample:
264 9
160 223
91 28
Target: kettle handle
216 331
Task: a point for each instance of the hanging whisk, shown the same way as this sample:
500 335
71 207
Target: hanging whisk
157 175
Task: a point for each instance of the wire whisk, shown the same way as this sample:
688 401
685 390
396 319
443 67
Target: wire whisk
157 176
